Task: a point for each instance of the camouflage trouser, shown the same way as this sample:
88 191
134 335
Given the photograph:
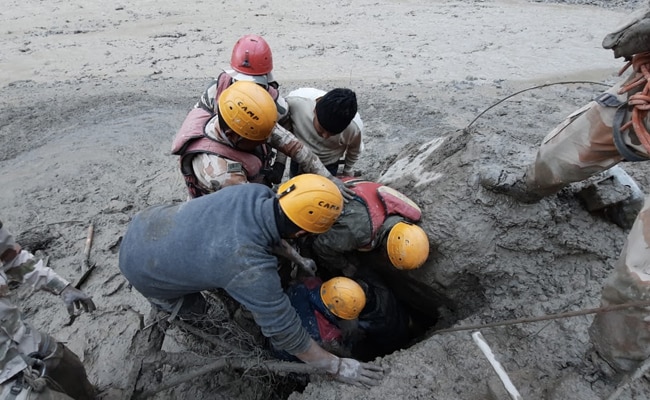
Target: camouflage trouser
62 374
581 146
623 337
67 370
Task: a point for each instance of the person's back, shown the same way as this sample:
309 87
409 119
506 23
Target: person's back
225 240
229 229
378 218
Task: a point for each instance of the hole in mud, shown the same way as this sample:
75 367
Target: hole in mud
400 311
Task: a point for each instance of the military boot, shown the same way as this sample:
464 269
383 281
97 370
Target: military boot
514 185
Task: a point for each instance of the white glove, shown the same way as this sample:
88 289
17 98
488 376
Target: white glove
359 374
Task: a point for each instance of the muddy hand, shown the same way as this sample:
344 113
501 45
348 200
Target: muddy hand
346 192
75 298
359 374
308 266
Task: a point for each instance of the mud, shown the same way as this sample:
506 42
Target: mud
93 95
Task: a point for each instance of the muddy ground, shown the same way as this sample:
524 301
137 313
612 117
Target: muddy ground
94 93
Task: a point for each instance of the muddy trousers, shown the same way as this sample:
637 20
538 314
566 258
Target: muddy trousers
578 148
59 376
67 371
581 146
622 338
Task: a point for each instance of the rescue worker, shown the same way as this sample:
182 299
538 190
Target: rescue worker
251 60
30 358
322 308
611 129
359 316
378 218
329 124
235 145
225 240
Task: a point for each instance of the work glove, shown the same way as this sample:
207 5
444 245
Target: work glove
359 374
631 38
75 298
347 193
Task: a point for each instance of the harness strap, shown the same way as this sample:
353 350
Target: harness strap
17 387
608 100
627 153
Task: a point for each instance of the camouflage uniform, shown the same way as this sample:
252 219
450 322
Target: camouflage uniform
215 171
581 146
18 339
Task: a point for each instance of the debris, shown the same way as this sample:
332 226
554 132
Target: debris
615 193
485 348
228 363
89 241
86 268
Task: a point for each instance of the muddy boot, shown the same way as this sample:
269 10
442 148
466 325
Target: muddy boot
598 368
508 183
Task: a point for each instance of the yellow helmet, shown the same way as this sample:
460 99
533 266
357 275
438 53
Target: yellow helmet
310 201
407 245
249 110
343 297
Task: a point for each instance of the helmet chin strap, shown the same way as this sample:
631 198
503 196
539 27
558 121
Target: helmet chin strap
286 227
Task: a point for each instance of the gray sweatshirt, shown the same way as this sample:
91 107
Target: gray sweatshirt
221 240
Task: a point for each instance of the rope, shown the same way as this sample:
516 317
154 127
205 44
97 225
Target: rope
547 317
640 100
525 90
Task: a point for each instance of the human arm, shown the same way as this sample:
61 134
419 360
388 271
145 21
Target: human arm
288 144
284 249
353 150
259 289
20 266
26 269
346 370
215 172
207 99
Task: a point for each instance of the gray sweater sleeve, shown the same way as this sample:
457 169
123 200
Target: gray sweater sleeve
260 291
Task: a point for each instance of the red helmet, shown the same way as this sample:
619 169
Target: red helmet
251 55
